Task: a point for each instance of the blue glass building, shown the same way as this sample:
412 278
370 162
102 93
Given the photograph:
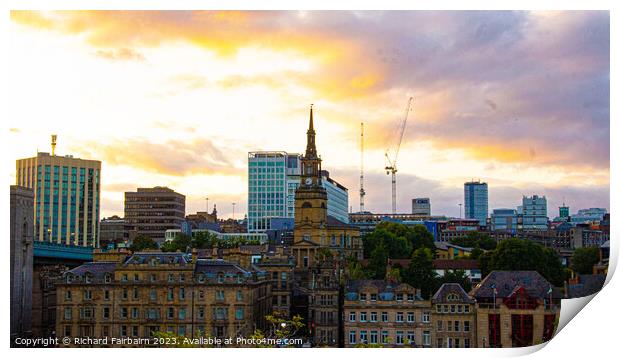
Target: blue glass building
477 201
273 178
67 195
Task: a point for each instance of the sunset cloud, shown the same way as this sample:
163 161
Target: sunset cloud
497 92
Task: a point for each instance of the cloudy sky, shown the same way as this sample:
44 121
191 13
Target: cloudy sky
517 99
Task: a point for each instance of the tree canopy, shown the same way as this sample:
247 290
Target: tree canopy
523 255
584 259
475 239
141 243
399 240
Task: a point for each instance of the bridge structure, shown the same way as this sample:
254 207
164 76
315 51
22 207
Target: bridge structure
53 253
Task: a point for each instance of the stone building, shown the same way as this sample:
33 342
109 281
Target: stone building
121 295
390 314
454 317
21 260
324 301
279 268
515 309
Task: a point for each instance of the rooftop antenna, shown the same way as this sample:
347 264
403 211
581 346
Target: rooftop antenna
54 136
362 192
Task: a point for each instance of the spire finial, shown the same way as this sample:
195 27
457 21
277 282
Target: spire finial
311 126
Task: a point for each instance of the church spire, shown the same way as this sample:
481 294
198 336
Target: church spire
311 146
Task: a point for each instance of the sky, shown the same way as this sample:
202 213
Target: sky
519 100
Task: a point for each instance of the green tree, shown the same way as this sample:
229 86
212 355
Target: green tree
518 254
584 259
475 239
279 328
420 273
141 243
378 262
456 276
181 242
204 240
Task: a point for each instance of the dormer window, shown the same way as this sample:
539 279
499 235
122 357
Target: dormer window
220 277
69 278
201 278
88 278
107 278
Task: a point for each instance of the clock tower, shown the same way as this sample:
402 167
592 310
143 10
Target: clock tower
310 204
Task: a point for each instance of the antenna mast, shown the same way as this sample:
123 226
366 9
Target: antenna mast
362 192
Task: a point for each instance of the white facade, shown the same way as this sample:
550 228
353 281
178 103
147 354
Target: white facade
535 212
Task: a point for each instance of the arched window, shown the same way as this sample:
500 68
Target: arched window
220 277
306 205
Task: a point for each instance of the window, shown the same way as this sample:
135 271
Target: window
373 316
239 295
201 278
181 313
239 313
134 331
106 295
124 312
363 337
170 294
153 295
201 295
449 326
400 338
352 316
373 337
384 337
384 316
362 297
466 309
67 331
136 293
181 331
68 313
466 343
426 317
410 297
373 296
125 295
399 297
67 295
439 325
201 312
466 326
411 337
362 316
494 331
182 293
107 278
182 277
106 313
399 317
88 294
124 277
426 338
123 330
220 277
170 277
170 314
439 342
410 317
136 278
153 313
352 337
135 313
153 277
457 326
219 295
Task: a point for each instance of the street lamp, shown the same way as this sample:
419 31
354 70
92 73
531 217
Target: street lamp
49 234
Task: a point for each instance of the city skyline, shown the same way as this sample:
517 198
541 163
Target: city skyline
185 94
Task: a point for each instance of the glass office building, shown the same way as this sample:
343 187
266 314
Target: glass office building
504 220
67 192
535 212
273 178
477 201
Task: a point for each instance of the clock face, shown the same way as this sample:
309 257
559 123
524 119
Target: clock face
308 181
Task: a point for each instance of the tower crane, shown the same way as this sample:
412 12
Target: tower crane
362 192
391 162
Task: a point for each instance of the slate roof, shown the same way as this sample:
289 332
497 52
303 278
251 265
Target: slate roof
97 269
380 285
506 282
447 288
446 245
219 265
333 223
460 264
588 285
164 258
